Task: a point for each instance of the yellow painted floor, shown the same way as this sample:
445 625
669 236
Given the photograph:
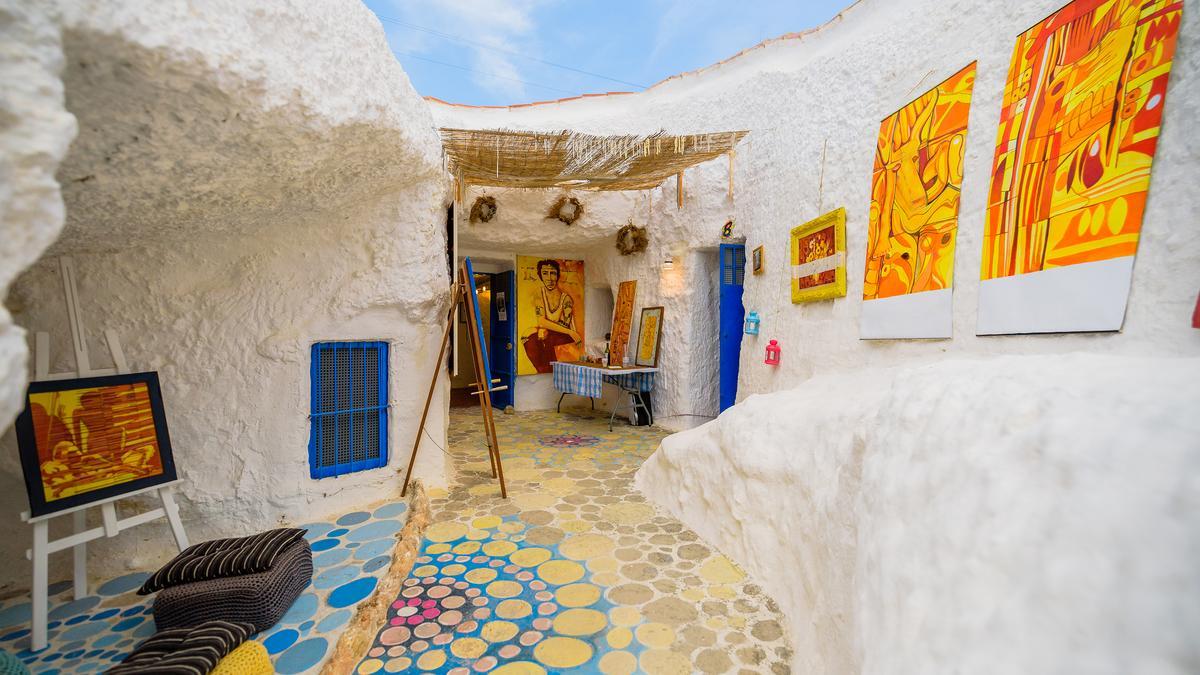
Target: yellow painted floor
574 573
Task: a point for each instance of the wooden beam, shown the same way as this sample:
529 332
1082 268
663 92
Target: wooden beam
679 190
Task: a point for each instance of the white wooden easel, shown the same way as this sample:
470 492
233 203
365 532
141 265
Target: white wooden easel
112 525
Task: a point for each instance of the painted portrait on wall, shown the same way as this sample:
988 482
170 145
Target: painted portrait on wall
1079 127
622 322
818 254
913 221
550 312
89 439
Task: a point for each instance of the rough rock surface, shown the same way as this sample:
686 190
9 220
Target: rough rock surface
249 178
1015 514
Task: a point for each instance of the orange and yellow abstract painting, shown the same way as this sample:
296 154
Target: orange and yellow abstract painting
1078 130
915 191
93 438
622 322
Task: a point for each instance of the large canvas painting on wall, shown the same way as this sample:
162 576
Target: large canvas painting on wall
622 322
90 439
818 254
1078 131
913 222
550 312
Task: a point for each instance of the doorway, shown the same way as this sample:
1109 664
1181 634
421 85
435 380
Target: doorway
494 292
733 271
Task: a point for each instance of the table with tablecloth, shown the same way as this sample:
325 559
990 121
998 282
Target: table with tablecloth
587 379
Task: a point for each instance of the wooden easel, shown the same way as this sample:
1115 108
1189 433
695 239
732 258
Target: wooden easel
461 293
43 546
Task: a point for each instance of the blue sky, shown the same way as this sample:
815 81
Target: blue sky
494 52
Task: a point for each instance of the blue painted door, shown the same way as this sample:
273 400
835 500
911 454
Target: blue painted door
504 325
733 270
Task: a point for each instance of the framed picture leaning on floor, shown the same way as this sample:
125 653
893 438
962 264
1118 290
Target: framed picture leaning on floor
648 337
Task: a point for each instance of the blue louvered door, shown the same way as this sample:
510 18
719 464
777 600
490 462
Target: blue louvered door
733 270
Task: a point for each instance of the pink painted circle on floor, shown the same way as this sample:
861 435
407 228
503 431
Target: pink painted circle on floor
485 664
509 651
376 652
529 638
427 630
429 603
414 619
547 608
397 621
453 602
541 623
445 557
414 602
395 635
537 585
450 618
431 613
511 569
496 563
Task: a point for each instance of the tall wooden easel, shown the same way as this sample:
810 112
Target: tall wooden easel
462 295
112 524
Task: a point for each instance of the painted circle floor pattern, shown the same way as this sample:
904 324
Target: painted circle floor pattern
574 573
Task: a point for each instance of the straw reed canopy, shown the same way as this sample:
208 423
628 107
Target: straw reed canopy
568 159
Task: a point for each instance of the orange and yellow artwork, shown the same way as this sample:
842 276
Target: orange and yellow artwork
622 322
915 192
1078 131
818 255
94 438
550 312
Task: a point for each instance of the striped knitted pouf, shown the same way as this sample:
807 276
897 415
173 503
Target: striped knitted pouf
11 665
249 659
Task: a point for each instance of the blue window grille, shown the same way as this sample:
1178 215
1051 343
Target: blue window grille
348 424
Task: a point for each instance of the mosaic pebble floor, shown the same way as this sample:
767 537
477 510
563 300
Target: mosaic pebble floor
350 553
574 573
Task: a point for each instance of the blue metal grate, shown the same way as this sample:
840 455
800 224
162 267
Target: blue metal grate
348 423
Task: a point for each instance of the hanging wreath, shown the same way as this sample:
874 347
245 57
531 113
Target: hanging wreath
484 209
632 239
566 209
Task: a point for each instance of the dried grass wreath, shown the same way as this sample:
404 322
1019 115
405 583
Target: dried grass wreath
566 209
632 239
484 209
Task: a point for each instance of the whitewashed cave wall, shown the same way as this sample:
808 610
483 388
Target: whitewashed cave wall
898 534
247 180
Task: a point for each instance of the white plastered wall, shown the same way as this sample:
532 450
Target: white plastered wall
248 179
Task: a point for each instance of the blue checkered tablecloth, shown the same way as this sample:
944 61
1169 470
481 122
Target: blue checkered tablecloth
575 378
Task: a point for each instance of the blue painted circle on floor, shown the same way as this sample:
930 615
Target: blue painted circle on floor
145 630
17 614
335 577
353 544
15 634
301 610
352 593
376 563
301 657
106 641
105 614
127 624
334 621
315 530
136 609
331 558
83 631
58 587
76 619
324 544
305 626
354 518
375 530
281 641
336 533
74 607
390 510
123 584
374 548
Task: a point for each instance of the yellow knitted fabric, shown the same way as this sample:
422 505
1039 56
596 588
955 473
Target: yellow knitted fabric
248 659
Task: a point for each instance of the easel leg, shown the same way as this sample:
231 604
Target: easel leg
80 553
172 511
41 583
485 378
432 386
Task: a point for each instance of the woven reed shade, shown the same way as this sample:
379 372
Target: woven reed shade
526 159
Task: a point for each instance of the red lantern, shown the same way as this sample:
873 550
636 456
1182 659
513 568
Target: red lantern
772 354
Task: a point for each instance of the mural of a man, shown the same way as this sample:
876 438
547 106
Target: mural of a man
555 312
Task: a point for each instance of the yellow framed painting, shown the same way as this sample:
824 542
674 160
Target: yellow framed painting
818 251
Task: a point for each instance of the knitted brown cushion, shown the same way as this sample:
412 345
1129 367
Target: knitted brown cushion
223 558
257 599
185 651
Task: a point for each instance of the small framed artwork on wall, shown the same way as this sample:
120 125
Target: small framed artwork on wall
818 251
756 260
648 337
